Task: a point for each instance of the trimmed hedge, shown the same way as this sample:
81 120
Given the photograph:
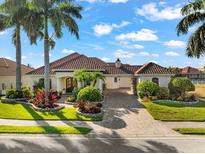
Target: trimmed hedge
89 94
147 88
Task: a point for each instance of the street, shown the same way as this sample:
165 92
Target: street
65 143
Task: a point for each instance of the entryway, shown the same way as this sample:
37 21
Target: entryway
70 84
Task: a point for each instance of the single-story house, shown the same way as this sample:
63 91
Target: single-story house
8 74
194 74
117 75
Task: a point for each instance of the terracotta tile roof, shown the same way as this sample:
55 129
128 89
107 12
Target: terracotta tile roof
152 68
77 61
8 68
124 69
54 64
189 70
81 62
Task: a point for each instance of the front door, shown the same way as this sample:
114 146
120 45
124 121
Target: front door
69 84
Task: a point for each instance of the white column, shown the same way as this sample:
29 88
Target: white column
100 84
78 84
58 84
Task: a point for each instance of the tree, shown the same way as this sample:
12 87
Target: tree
60 13
12 16
97 76
193 14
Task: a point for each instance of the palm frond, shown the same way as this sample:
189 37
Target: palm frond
195 6
188 21
196 43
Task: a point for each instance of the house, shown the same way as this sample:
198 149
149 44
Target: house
194 74
117 75
8 74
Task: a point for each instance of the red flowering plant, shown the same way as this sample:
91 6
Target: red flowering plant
40 101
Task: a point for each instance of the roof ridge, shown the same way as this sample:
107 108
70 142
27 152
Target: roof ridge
143 66
4 59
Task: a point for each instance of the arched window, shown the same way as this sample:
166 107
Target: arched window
155 80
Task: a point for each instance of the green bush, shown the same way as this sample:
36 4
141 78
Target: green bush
71 99
147 88
27 92
11 94
89 94
178 87
163 93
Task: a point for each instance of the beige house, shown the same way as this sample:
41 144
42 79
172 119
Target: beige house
8 75
117 75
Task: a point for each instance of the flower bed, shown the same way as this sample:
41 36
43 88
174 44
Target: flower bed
91 115
12 101
56 108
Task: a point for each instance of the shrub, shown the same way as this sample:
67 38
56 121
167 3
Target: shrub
89 94
71 99
11 94
163 93
147 88
88 108
40 101
27 92
180 85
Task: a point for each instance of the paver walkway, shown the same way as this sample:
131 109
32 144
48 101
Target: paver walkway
183 124
124 116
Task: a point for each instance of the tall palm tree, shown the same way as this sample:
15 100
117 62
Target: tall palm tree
59 13
96 76
11 16
193 14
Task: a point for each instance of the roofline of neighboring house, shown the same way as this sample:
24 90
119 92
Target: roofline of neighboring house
154 74
72 70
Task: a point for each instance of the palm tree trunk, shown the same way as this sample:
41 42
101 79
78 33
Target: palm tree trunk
46 62
18 58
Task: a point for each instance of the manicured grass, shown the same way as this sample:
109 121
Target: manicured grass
170 111
44 129
193 131
26 112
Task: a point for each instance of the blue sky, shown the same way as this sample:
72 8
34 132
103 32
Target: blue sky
136 31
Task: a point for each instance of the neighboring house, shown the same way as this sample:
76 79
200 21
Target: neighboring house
117 75
194 74
8 75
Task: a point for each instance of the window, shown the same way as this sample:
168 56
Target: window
41 83
155 80
115 79
3 86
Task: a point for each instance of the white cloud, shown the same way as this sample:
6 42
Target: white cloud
129 45
172 53
106 59
67 51
123 54
105 29
142 35
118 1
175 44
155 55
144 54
95 46
7 57
122 24
102 29
151 12
3 33
24 57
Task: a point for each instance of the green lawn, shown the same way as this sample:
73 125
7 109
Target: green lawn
193 131
175 111
44 129
26 112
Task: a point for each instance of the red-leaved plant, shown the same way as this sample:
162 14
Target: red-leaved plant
40 101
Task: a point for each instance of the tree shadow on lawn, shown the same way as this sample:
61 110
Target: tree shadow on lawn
102 143
201 104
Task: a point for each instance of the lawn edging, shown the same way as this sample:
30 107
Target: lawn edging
190 131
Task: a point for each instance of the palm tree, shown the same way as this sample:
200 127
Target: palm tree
96 76
11 16
193 14
60 13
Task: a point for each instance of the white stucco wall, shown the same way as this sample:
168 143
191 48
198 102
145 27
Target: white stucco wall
163 79
122 82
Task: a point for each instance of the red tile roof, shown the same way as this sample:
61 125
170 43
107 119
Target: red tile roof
77 61
189 70
8 68
152 68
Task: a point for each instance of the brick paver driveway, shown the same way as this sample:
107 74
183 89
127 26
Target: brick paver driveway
124 115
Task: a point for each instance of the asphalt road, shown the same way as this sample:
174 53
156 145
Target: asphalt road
36 143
